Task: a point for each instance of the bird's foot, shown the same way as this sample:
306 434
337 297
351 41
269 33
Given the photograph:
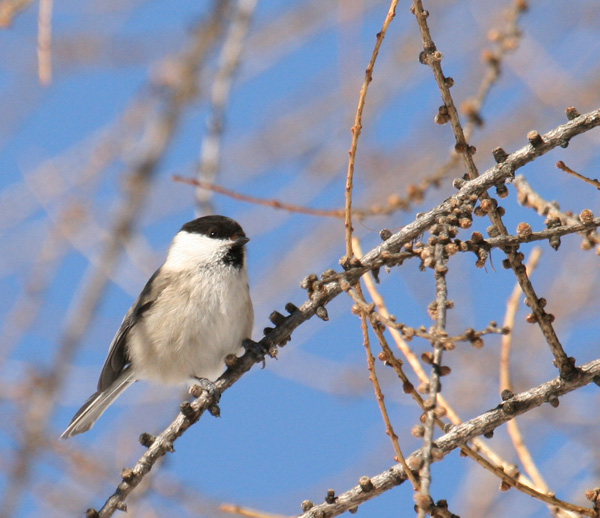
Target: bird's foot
211 390
259 349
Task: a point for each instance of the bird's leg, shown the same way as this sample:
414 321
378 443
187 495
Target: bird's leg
213 393
258 349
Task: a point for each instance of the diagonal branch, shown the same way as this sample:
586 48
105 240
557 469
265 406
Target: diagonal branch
331 284
564 167
461 434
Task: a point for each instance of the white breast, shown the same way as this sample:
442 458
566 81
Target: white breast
193 326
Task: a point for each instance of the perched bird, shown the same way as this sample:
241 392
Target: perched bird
193 312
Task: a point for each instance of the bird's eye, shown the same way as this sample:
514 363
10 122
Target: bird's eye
213 234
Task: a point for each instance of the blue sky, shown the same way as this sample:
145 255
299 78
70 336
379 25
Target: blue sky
308 422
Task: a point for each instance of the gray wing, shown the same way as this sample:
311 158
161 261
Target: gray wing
118 357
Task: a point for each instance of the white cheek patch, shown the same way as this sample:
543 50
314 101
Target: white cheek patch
187 251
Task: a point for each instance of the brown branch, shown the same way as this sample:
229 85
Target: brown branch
562 166
274 204
463 433
512 307
277 204
432 57
389 429
357 294
357 127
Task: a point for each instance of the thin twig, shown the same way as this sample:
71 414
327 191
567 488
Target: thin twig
44 49
357 294
433 58
274 204
277 204
506 384
542 235
357 127
247 512
528 197
389 429
562 166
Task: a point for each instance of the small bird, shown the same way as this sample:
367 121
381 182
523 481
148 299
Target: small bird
193 312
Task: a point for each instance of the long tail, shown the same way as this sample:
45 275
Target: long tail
95 406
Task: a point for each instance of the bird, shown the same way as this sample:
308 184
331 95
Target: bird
193 312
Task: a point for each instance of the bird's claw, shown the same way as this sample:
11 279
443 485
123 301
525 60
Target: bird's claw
259 349
213 393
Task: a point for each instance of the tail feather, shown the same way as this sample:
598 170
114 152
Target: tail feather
95 406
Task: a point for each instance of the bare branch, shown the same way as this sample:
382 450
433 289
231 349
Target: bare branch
247 512
563 167
357 295
433 58
542 235
505 382
322 291
275 204
530 198
45 42
357 127
460 435
437 310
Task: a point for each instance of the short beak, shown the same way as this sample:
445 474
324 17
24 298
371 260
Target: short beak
240 242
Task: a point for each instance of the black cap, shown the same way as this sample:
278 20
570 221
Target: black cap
218 227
